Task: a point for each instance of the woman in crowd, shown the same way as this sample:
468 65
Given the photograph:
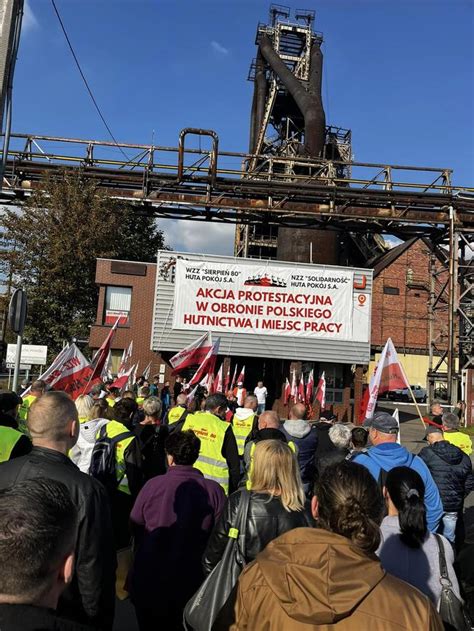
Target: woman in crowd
171 521
151 435
84 403
340 437
81 453
328 577
276 503
408 550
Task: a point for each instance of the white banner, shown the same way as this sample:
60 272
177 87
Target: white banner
264 299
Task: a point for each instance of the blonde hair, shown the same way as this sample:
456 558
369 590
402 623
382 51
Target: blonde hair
84 404
275 471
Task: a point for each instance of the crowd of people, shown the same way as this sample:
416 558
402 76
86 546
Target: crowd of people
137 493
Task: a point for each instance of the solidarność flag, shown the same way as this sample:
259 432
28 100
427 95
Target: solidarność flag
388 375
192 355
70 372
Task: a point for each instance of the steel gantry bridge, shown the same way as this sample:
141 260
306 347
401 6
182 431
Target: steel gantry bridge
207 184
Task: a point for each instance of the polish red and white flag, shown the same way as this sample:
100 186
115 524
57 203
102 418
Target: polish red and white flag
286 392
100 358
207 365
388 375
227 379
294 387
218 385
241 377
321 391
310 387
301 391
192 355
234 377
125 361
123 379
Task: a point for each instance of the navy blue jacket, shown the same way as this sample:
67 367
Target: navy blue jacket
306 452
451 469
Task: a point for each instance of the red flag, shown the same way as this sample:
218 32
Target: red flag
101 356
301 396
232 383
208 364
321 391
227 379
286 392
126 357
70 372
389 375
219 380
122 380
192 355
241 377
294 387
310 387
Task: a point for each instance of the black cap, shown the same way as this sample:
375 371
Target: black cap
433 429
9 400
383 421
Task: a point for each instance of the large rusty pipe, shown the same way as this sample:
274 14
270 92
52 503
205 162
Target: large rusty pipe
310 104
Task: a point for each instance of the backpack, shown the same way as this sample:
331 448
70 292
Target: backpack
103 459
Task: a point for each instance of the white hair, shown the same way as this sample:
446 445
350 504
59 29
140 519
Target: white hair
84 403
340 435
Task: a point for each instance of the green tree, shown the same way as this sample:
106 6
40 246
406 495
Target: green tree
57 235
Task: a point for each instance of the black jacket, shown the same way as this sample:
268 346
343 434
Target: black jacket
231 454
31 618
90 598
151 441
267 520
451 469
325 444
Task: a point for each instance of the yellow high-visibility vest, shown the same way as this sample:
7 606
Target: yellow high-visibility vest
175 414
211 431
8 439
242 428
25 406
112 429
140 401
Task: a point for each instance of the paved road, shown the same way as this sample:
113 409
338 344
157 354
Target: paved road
412 435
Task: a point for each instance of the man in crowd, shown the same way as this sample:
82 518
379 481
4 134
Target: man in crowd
305 437
143 394
176 415
452 471
268 428
177 388
155 386
359 439
113 396
12 442
261 393
38 524
325 444
452 434
37 390
386 454
240 393
218 459
243 421
151 435
53 425
436 413
172 520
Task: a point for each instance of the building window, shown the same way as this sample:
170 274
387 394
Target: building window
393 291
334 375
117 305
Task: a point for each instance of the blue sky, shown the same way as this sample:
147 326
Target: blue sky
399 73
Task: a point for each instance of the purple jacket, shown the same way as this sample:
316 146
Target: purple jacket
172 519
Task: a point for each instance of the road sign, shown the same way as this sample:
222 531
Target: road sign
11 366
17 311
30 354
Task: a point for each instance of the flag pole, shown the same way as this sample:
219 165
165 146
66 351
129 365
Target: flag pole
416 405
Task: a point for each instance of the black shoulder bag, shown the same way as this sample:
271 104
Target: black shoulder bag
203 608
451 608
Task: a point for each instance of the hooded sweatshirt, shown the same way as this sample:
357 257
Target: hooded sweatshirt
305 437
310 578
386 456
